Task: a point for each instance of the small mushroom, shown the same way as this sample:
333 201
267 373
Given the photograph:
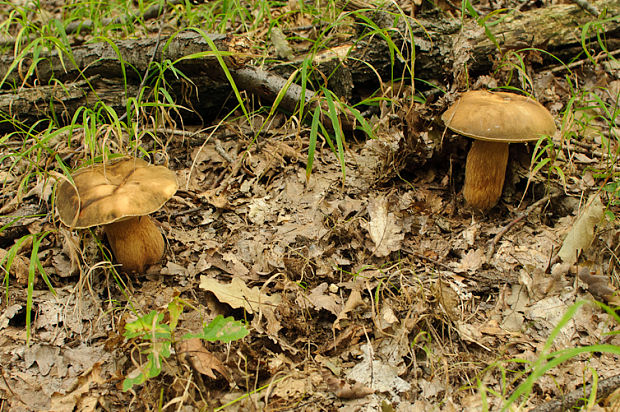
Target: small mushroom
119 196
494 120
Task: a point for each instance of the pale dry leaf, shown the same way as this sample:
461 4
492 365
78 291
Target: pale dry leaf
44 355
8 313
472 261
201 359
382 228
238 295
291 388
382 376
322 300
80 397
354 300
581 235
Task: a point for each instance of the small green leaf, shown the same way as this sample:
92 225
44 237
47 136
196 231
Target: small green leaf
148 327
222 329
137 380
175 308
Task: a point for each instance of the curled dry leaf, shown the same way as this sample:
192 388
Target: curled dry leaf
19 266
598 285
345 390
322 299
201 359
449 299
355 300
580 237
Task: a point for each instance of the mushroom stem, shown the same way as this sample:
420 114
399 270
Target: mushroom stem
136 242
484 173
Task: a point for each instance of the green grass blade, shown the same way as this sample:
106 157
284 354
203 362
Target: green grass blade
314 131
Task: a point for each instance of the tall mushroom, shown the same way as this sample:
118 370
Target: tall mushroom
119 196
494 120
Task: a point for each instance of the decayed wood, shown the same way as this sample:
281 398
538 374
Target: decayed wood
444 49
29 104
126 57
443 52
556 29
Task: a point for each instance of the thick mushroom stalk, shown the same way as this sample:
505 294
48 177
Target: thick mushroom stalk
485 171
136 242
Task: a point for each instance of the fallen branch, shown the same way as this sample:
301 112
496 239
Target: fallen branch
577 398
442 51
30 104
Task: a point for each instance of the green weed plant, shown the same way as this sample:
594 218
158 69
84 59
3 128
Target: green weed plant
155 338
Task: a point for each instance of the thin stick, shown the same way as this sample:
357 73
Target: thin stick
584 4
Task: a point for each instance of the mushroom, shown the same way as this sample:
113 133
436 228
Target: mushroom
119 196
494 120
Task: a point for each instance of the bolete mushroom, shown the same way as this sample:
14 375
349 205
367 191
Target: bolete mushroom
494 120
120 196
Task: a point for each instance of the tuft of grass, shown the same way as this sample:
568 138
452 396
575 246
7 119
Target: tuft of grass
548 360
35 267
517 383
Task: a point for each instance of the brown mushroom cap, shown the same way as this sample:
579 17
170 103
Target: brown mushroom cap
107 193
499 117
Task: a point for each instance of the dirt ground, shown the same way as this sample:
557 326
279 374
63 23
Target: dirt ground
381 290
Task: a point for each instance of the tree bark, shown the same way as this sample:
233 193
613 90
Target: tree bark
444 52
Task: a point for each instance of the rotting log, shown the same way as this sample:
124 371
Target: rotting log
444 49
28 104
444 53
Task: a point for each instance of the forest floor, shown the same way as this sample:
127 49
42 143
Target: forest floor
379 290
